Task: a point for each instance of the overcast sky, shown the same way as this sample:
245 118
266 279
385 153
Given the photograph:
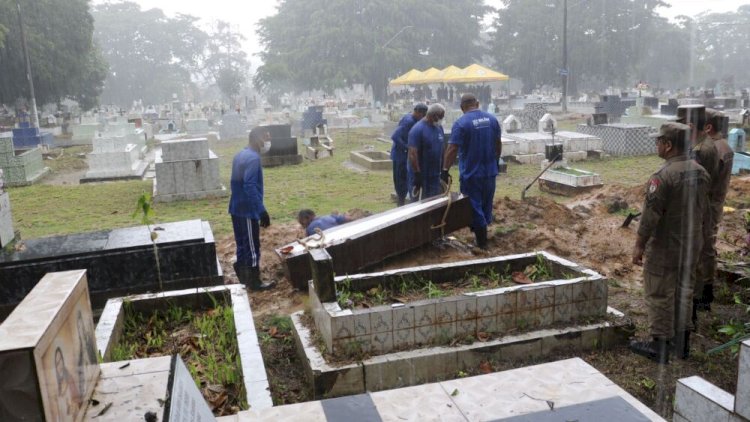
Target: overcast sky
243 16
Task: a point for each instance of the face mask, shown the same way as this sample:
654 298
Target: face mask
266 146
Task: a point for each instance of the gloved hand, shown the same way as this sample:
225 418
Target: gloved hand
445 177
417 180
265 219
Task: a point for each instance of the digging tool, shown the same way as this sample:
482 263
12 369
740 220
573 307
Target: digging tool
629 219
523 192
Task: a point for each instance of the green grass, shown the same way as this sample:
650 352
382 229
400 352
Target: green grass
325 185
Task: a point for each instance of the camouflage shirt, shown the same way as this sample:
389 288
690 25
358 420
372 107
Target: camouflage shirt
720 184
673 214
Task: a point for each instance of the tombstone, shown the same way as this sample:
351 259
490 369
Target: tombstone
232 127
511 124
547 123
48 352
84 134
185 170
736 140
114 158
6 220
621 139
196 126
26 136
283 149
21 167
599 118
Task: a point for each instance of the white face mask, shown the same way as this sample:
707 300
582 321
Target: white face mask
266 146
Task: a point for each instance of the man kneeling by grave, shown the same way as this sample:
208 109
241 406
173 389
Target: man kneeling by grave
247 209
310 222
671 236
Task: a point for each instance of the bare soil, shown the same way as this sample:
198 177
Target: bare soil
585 232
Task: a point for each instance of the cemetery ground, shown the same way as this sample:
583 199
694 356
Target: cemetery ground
585 229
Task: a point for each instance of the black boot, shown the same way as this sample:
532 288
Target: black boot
695 313
681 347
707 297
657 349
255 283
401 201
241 271
481 235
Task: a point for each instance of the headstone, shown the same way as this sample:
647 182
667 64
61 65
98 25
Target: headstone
114 157
48 352
185 403
599 118
21 167
736 140
26 136
186 169
511 124
547 123
232 127
196 126
6 220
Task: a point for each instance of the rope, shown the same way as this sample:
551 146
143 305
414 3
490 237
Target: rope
447 188
320 239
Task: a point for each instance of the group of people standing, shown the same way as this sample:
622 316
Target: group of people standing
683 206
422 159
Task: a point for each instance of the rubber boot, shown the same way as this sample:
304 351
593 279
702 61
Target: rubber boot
242 274
707 297
681 348
481 235
255 283
696 302
401 201
657 349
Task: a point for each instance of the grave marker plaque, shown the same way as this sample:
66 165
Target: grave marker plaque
184 401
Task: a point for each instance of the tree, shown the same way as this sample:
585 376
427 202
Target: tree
151 56
721 47
329 44
65 61
225 63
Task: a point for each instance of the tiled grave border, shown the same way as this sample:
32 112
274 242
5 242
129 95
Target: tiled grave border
396 370
253 370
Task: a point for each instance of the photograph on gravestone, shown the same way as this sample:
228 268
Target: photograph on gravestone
185 402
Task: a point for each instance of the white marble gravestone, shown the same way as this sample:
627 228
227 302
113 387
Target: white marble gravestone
48 356
6 220
186 169
114 157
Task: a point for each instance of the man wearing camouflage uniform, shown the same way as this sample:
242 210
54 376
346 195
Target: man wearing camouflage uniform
704 286
671 235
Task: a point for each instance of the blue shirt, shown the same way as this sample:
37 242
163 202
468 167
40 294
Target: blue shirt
400 137
247 185
324 223
475 134
428 140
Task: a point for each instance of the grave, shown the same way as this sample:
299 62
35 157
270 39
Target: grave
254 377
669 109
569 390
114 158
547 124
511 124
186 170
232 127
568 181
48 352
7 234
283 149
568 312
621 139
83 134
27 137
196 126
529 147
368 241
119 261
320 144
641 115
530 116
372 160
698 400
741 160
21 167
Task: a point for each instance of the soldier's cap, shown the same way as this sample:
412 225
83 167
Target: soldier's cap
674 132
467 99
691 113
420 108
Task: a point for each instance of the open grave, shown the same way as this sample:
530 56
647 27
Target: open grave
371 160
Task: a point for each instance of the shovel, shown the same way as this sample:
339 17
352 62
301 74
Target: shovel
629 219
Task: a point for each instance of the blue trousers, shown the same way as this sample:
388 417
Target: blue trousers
247 238
481 193
400 182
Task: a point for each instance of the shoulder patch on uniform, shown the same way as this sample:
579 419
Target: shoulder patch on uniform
653 185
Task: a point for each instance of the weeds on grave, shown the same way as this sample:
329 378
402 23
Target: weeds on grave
540 270
737 331
144 211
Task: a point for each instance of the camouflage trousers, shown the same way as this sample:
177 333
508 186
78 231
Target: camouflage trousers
669 298
706 271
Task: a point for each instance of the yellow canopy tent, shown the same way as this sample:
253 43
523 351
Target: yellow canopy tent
475 73
431 76
407 78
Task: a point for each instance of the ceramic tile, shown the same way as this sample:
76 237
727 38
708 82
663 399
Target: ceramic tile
342 326
362 324
506 323
445 311
742 406
599 289
466 308
527 319
581 291
562 312
403 318
466 327
698 400
599 307
563 294
579 310
416 404
546 316
403 339
381 321
424 334
445 332
363 343
487 324
424 314
507 302
526 299
545 296
487 305
381 342
312 411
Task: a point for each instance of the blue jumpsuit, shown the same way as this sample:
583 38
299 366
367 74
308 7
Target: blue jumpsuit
475 134
324 223
246 205
428 140
399 154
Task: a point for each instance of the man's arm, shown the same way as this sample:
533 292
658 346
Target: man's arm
450 156
251 185
499 143
653 212
414 142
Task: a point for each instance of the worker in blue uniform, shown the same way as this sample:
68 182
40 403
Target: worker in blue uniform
426 154
247 209
400 150
309 221
475 138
